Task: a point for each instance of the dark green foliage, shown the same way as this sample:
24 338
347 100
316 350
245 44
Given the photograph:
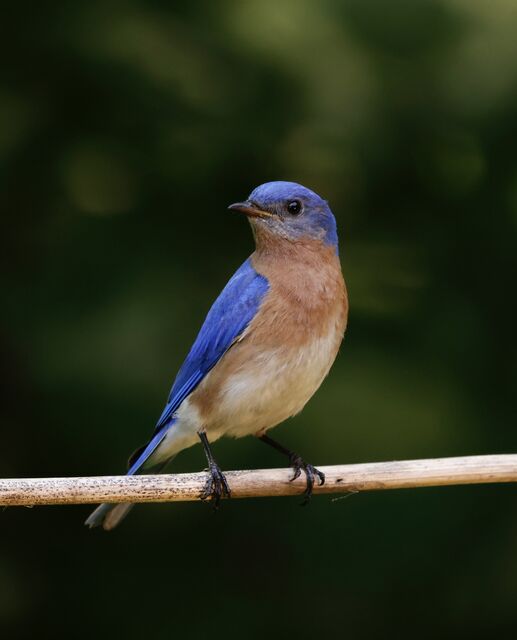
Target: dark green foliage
126 128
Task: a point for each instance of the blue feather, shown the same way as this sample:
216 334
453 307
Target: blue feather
148 450
229 316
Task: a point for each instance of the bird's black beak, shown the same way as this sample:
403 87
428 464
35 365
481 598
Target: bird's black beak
250 209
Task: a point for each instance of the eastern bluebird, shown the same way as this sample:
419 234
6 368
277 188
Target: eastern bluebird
266 345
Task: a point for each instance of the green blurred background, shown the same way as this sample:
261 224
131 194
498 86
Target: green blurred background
126 128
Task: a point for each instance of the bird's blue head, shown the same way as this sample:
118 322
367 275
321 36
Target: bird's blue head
289 210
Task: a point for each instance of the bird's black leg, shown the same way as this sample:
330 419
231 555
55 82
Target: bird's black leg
298 464
216 486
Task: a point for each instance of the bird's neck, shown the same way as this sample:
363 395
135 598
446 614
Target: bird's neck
277 248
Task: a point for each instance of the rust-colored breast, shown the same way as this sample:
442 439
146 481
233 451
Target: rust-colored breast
307 291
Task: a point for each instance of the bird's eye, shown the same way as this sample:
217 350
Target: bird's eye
294 207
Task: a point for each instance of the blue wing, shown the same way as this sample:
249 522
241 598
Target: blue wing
229 316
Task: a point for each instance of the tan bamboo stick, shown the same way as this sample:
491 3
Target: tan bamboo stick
260 483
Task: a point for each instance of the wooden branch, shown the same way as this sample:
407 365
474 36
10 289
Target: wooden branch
260 483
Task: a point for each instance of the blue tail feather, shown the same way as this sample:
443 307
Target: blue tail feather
109 515
149 449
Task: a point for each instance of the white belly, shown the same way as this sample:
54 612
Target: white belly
274 386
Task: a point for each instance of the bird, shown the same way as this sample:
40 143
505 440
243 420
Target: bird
265 347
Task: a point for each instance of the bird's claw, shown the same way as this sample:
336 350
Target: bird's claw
216 487
299 465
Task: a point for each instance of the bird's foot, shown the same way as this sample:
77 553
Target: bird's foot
216 486
311 472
